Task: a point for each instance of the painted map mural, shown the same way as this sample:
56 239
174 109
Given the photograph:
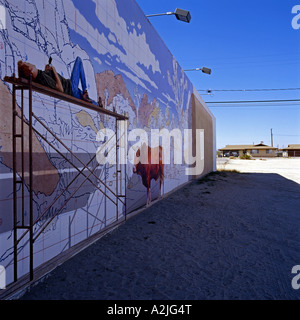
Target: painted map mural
128 66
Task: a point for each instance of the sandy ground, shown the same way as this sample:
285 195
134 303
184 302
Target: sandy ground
286 167
227 236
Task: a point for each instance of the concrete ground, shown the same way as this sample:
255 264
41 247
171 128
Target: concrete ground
227 236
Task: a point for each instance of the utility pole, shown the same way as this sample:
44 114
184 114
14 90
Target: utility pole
271 138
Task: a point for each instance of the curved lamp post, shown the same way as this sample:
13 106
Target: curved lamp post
204 70
182 15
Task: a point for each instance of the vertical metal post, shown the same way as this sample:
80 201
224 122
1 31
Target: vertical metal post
124 146
22 155
14 183
30 183
125 172
117 173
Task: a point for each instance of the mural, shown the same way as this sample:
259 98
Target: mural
128 66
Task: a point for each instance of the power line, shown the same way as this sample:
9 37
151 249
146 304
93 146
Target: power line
254 106
255 101
287 135
246 90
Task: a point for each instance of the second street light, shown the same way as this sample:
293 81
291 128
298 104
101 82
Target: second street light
204 70
180 14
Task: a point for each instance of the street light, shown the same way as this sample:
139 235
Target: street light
180 14
204 70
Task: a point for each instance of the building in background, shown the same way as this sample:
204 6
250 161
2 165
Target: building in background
257 150
293 150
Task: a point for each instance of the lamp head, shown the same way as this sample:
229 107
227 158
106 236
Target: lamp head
183 15
206 70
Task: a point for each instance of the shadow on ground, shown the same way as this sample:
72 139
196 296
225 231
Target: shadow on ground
227 236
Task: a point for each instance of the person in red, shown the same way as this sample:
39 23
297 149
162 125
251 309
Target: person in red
50 78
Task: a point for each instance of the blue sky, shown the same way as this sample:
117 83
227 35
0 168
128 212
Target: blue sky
248 45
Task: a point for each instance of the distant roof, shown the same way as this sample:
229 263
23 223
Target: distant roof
246 147
292 147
